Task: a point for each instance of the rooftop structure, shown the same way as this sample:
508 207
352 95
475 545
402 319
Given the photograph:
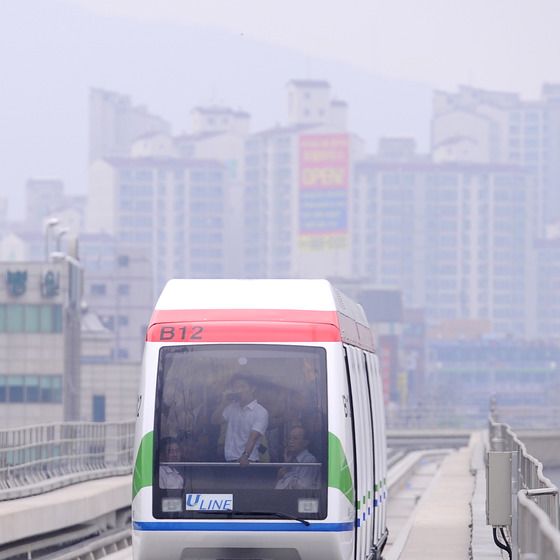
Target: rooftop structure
115 123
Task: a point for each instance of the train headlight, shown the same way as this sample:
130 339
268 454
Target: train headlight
308 505
171 504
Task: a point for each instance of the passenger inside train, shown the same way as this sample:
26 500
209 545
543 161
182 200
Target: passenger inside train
241 417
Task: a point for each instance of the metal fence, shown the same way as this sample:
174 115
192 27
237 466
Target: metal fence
435 417
36 459
531 417
442 416
535 530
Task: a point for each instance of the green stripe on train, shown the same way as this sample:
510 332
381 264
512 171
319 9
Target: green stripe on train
339 472
144 466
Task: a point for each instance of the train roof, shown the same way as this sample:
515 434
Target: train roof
284 294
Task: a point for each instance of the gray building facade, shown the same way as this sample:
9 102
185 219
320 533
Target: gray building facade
39 342
171 209
118 288
455 238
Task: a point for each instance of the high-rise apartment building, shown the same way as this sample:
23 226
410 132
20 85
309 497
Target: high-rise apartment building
176 199
42 197
297 185
547 287
310 102
172 209
220 133
115 123
455 238
46 199
215 118
481 126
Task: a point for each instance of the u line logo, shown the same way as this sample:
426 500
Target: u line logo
209 502
193 500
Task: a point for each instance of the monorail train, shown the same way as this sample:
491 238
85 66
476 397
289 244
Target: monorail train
260 427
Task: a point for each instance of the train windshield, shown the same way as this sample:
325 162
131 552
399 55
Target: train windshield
241 430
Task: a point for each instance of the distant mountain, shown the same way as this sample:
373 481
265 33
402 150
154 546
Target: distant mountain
52 52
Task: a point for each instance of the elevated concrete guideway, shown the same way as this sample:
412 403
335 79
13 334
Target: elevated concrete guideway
442 526
445 490
86 507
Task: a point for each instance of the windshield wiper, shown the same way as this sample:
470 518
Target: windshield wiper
279 515
233 513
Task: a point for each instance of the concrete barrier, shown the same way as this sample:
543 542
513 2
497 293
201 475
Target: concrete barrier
89 502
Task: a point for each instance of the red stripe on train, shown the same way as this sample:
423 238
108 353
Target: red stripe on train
242 331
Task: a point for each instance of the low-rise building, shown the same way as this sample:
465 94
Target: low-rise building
468 372
118 288
109 388
39 341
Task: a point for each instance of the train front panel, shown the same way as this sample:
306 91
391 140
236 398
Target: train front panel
292 494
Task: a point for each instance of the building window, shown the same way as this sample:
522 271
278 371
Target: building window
14 318
122 353
46 389
32 393
56 318
31 388
123 261
98 408
123 289
108 321
29 318
46 319
51 388
15 388
123 320
98 289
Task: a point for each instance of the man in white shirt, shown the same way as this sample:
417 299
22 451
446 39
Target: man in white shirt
246 419
169 477
298 477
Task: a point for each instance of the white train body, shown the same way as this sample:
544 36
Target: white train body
313 486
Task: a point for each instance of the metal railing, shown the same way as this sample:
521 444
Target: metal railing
36 459
534 530
441 415
435 416
531 417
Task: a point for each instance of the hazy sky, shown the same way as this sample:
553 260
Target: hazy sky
499 44
383 58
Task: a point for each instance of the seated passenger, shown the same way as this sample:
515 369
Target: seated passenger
169 477
298 477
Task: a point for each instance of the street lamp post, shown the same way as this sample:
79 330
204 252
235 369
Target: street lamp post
59 235
53 222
